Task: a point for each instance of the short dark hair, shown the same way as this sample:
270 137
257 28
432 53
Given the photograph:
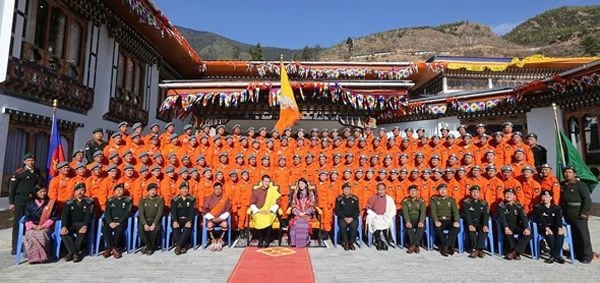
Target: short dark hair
217 184
265 176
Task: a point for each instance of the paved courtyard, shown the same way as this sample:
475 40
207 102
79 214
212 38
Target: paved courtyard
329 264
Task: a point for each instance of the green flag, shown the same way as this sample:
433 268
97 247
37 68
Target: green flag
572 158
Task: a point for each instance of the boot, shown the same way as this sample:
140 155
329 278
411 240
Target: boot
388 237
444 251
377 240
417 249
474 254
107 253
346 246
480 254
116 253
410 249
383 240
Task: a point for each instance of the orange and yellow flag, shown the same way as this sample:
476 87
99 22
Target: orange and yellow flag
288 109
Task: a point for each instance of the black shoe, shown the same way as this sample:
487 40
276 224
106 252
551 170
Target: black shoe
177 250
559 260
443 251
586 261
549 260
266 244
144 250
324 236
450 251
77 257
150 252
69 258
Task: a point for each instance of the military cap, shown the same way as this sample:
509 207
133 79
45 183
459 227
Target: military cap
419 154
394 171
484 135
498 133
265 157
476 167
79 186
408 130
206 169
169 169
252 155
200 157
382 171
151 186
156 155
143 168
239 155
173 136
171 155
128 167
509 190
297 155
333 172
262 129
127 152
371 170
114 135
545 165
142 154
480 125
187 127
193 170
118 186
111 167
517 133
155 167
336 155
309 155
250 129
490 151
442 186
154 125
467 135
507 123
362 156
134 135
243 138
123 124
233 172
228 137
223 153
420 130
236 126
413 187
445 127
414 170
387 156
533 135
79 165
519 150
281 157
97 130
435 156
491 167
183 185
474 188
136 125
468 153
79 150
449 170
451 136
62 164
169 124
426 171
323 130
182 170
404 154
347 170
547 193
403 170
461 169
358 170
527 168
220 127
506 168
461 127
321 172
436 170
95 166
349 154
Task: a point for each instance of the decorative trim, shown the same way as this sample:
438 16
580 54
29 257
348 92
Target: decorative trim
119 110
37 119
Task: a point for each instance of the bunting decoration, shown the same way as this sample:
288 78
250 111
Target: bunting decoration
299 71
560 85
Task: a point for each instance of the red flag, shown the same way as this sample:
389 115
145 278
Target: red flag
55 153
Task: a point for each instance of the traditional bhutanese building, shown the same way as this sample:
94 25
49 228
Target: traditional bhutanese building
102 60
442 91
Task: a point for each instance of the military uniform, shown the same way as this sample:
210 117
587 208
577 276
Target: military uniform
445 210
512 216
20 190
347 206
576 203
150 212
550 217
92 146
117 210
475 212
539 155
413 212
182 212
76 214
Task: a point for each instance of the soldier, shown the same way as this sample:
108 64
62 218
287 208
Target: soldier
413 212
475 212
539 152
347 211
20 190
97 143
445 216
513 221
548 218
576 203
117 212
150 212
76 219
182 213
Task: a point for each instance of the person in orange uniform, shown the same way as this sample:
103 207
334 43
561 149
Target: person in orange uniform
509 180
116 145
127 179
94 188
171 147
282 178
549 182
154 131
324 200
167 185
77 157
139 186
242 199
452 184
495 187
507 130
165 137
107 184
80 175
476 179
530 189
58 188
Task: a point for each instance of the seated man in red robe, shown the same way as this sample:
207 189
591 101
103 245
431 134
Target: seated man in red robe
217 208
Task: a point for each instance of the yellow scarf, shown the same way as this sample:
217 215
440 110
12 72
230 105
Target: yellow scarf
262 221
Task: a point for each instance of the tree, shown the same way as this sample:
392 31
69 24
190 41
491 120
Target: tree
256 53
590 46
236 53
349 44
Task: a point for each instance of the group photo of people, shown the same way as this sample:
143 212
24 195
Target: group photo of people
215 187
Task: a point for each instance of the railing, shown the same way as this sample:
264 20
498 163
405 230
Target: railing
121 110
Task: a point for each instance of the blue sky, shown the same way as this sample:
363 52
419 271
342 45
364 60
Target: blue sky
294 24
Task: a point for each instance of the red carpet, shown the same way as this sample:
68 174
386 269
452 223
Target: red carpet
278 264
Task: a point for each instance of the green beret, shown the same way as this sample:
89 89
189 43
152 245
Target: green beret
28 155
184 184
97 130
151 186
79 186
474 188
119 186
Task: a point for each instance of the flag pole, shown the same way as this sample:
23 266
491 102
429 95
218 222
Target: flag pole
560 141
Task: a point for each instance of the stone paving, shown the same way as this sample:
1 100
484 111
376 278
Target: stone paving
329 265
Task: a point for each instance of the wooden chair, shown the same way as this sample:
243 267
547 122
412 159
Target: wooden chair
250 219
316 221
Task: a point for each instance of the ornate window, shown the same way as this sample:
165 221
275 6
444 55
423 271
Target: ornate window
54 38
